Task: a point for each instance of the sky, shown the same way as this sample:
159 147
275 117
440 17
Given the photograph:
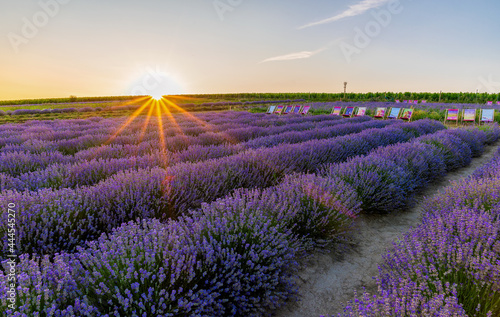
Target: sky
58 48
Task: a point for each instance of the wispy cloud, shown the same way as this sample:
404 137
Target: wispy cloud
303 54
353 10
292 56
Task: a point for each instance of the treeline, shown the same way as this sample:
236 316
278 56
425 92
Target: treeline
444 97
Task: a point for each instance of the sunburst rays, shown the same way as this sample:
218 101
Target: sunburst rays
162 108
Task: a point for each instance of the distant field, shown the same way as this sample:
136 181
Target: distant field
106 109
466 97
123 108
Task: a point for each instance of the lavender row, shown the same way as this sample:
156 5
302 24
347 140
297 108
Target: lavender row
22 161
90 172
69 129
187 124
321 132
33 155
448 265
232 135
387 179
53 220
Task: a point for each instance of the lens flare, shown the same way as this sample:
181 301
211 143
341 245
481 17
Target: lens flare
161 108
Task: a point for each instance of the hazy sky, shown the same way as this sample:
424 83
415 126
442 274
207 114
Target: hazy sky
58 48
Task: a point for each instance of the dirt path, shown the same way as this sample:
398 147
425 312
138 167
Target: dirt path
328 281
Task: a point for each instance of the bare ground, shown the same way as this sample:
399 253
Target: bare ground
328 280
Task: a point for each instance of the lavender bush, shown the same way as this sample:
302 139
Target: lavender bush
458 247
313 209
454 150
247 261
424 162
143 268
220 263
490 170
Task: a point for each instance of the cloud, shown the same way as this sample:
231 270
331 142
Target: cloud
303 54
293 56
353 10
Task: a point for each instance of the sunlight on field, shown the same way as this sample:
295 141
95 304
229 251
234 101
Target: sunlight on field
155 106
159 107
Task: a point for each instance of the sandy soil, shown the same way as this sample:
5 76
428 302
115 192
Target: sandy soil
328 280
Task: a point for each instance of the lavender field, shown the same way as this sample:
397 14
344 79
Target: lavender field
208 214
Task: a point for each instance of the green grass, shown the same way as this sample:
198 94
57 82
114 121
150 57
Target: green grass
59 106
104 113
64 116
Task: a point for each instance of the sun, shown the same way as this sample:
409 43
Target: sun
157 96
